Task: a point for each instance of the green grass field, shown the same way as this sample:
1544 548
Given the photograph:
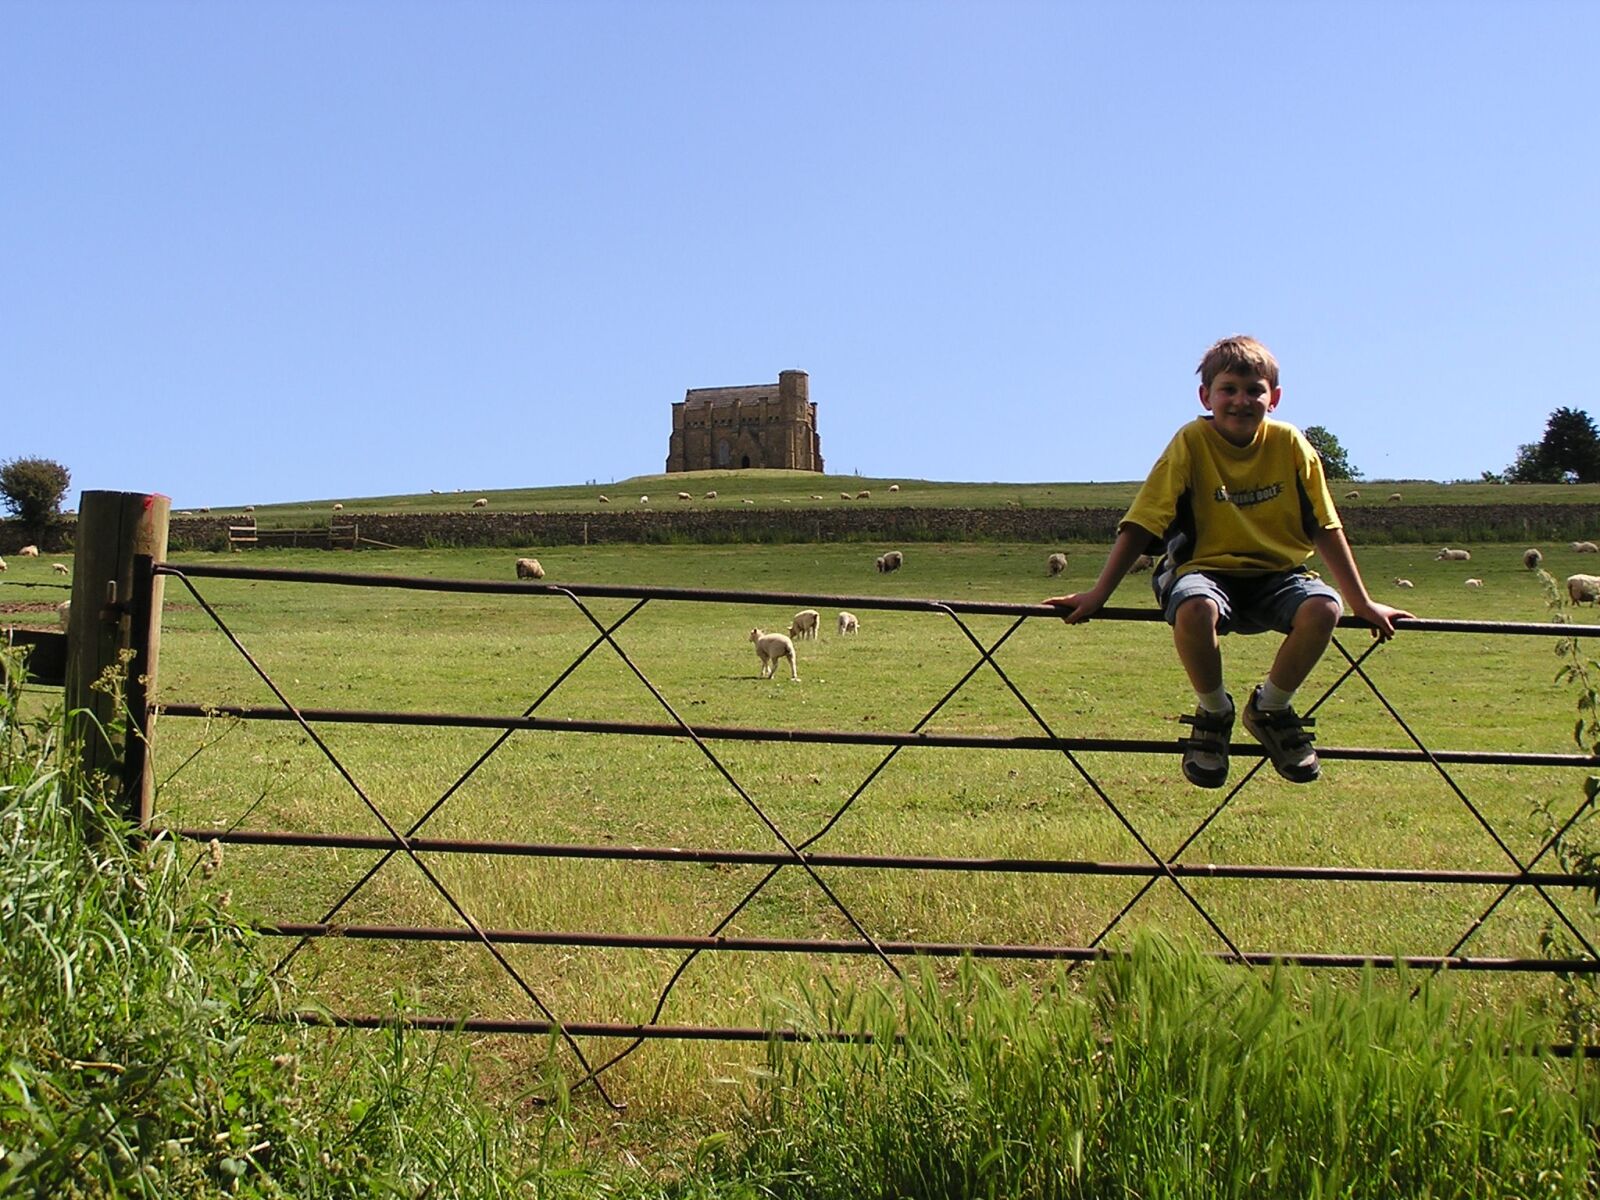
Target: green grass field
344 647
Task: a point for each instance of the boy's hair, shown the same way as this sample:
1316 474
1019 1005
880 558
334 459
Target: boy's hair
1239 355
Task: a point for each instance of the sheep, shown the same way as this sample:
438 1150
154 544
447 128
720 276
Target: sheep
1531 558
1394 495
28 552
337 507
805 623
864 494
1474 583
890 560
1449 555
644 499
60 568
844 495
604 499
747 501
1056 563
1583 587
894 487
1403 583
685 496
1353 494
249 508
1577 548
770 647
2 564
529 568
1141 564
712 494
848 623
481 502
64 613
816 495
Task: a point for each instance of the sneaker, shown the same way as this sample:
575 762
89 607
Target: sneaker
1286 737
1205 750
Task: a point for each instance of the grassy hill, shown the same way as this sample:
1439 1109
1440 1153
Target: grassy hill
771 489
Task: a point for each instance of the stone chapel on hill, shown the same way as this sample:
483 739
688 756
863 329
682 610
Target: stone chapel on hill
763 425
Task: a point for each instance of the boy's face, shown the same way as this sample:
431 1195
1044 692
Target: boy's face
1238 404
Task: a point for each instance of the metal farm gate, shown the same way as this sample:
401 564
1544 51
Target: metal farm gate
806 853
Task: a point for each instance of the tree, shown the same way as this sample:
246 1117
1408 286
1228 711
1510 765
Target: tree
1335 464
1568 452
32 488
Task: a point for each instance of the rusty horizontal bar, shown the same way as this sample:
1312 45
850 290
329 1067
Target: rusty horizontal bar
849 737
789 599
635 941
903 862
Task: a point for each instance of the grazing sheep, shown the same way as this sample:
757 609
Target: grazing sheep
1474 582
1353 494
60 568
2 564
337 507
64 613
604 499
529 568
1394 495
770 648
1056 563
249 508
890 560
685 496
1405 583
28 552
1141 564
644 499
848 623
1583 587
864 495
816 495
844 495
747 501
805 623
481 502
1577 548
894 487
1449 555
711 495
1531 558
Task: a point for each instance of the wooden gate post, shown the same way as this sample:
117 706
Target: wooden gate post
114 528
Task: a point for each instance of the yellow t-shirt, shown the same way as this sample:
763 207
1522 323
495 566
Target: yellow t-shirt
1249 509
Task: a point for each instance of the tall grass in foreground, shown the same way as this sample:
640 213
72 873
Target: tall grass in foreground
1172 1075
131 1062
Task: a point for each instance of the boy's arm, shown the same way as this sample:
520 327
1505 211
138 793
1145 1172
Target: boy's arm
1080 606
1341 561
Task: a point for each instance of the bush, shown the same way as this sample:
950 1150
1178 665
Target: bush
32 488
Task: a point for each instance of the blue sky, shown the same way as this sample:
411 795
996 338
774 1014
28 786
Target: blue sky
281 251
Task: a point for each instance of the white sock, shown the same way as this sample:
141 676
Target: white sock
1216 702
1272 698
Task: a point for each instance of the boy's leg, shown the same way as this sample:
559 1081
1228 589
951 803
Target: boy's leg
1307 640
1194 633
1268 714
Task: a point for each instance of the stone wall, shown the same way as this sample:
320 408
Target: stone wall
1043 526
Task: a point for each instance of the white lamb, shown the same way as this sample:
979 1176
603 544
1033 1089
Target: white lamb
1449 555
604 499
685 496
770 648
28 552
529 568
1056 563
1474 583
2 564
864 495
1353 494
338 507
894 487
1403 583
60 568
1394 495
644 499
1577 548
805 623
1583 587
890 560
816 496
1531 559
711 495
844 495
481 502
848 623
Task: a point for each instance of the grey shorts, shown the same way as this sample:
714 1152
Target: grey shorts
1248 603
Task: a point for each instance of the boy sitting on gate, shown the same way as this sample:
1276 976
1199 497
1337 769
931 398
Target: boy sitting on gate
1237 503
